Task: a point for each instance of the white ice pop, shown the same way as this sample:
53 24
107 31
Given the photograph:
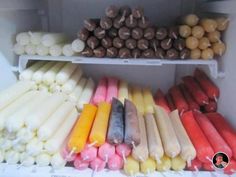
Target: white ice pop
24 135
2 156
56 50
43 159
17 104
23 38
74 96
12 157
6 145
65 73
123 92
51 39
19 49
67 50
16 121
78 45
30 49
56 141
26 160
55 88
50 76
34 147
27 73
54 121
19 147
57 161
38 75
36 37
43 88
87 94
39 116
69 86
42 50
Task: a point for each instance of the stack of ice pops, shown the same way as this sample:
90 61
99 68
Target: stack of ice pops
45 43
119 127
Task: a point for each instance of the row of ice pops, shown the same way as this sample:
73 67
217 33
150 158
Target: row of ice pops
43 43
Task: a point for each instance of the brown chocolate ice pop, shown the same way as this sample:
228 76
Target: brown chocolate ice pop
124 53
137 12
154 44
179 44
136 53
131 43
83 34
87 52
125 11
113 32
149 53
106 42
112 11
118 43
173 32
137 33
99 32
119 21
143 22
99 52
90 24
160 53
185 54
166 43
124 33
131 22
143 44
149 33
161 33
112 52
92 42
106 23
172 54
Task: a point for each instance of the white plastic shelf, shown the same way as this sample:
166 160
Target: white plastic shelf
14 171
212 64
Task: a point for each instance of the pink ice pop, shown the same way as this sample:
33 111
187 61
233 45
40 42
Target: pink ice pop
97 164
89 153
80 164
106 151
123 150
101 91
115 162
67 155
112 89
195 165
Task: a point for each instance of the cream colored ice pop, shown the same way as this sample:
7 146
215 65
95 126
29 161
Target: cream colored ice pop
19 49
24 135
56 50
131 167
43 159
74 96
78 45
10 94
164 164
87 94
123 92
19 147
17 104
51 39
28 73
35 120
23 38
26 160
2 156
148 166
130 94
43 88
30 49
36 37
67 50
38 75
148 101
57 161
137 98
55 88
6 145
188 152
70 84
169 138
154 140
50 76
12 157
16 121
140 152
55 142
65 73
34 147
41 50
54 121
177 163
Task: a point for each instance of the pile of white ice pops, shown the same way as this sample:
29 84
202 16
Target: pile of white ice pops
44 44
60 77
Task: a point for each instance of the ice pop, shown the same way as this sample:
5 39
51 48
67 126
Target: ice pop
123 150
208 166
50 76
6 145
188 152
24 135
30 49
161 100
131 167
78 45
101 91
70 84
112 89
34 121
68 155
115 162
55 88
82 128
2 156
57 161
164 164
36 37
177 163
80 164
89 153
148 101
53 144
169 138
56 50
129 94
97 165
41 50
43 159
106 151
34 147
132 130
170 102
87 93
38 75
19 49
74 96
67 50
123 91
65 73
54 121
23 38
12 157
100 125
154 140
26 160
148 166
19 147
115 134
137 98
10 94
200 142
17 104
51 39
196 165
140 152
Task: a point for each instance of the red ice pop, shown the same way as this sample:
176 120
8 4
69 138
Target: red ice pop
170 102
112 89
160 100
196 165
